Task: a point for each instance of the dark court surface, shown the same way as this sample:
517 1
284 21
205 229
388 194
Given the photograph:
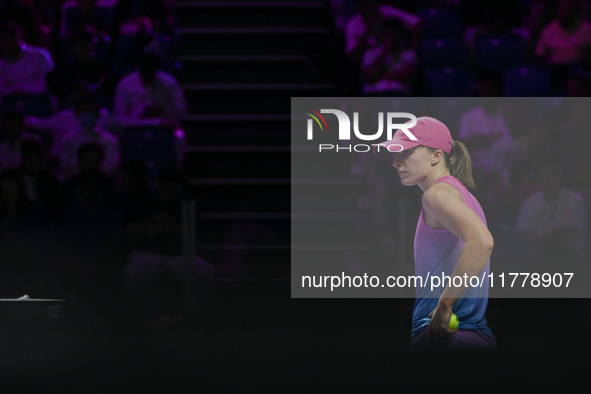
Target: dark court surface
309 346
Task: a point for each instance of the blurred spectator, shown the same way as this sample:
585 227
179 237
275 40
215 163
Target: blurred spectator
22 67
87 14
363 30
68 121
88 113
128 16
34 30
342 11
41 186
553 222
13 124
147 27
565 41
90 156
85 67
151 95
389 68
539 14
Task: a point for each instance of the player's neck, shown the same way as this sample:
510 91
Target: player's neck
432 178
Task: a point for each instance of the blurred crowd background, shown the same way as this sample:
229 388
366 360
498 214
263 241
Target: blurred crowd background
92 141
102 102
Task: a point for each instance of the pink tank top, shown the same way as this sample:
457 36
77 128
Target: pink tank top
436 252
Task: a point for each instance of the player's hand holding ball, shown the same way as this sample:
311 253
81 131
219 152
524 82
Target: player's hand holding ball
442 323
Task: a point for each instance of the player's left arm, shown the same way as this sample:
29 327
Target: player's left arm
443 203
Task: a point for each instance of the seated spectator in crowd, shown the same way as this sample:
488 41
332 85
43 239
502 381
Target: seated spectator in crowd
41 186
90 156
35 31
13 124
553 223
87 14
155 239
147 26
91 223
129 16
73 127
565 41
22 67
68 121
539 15
149 96
342 11
84 67
388 68
363 30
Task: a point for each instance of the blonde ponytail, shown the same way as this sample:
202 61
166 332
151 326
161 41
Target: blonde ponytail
460 165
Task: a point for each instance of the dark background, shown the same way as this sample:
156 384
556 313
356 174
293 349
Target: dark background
253 336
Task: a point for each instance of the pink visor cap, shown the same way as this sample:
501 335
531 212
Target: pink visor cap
428 132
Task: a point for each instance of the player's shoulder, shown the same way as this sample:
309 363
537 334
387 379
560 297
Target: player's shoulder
440 194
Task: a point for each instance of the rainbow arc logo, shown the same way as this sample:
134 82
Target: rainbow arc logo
315 118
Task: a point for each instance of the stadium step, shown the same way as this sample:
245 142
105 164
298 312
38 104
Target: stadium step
251 13
242 62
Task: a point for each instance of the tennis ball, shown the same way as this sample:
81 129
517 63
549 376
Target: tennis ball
454 322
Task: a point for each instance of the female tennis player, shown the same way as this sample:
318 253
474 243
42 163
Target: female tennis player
451 238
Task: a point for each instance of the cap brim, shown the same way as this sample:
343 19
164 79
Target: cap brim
393 146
